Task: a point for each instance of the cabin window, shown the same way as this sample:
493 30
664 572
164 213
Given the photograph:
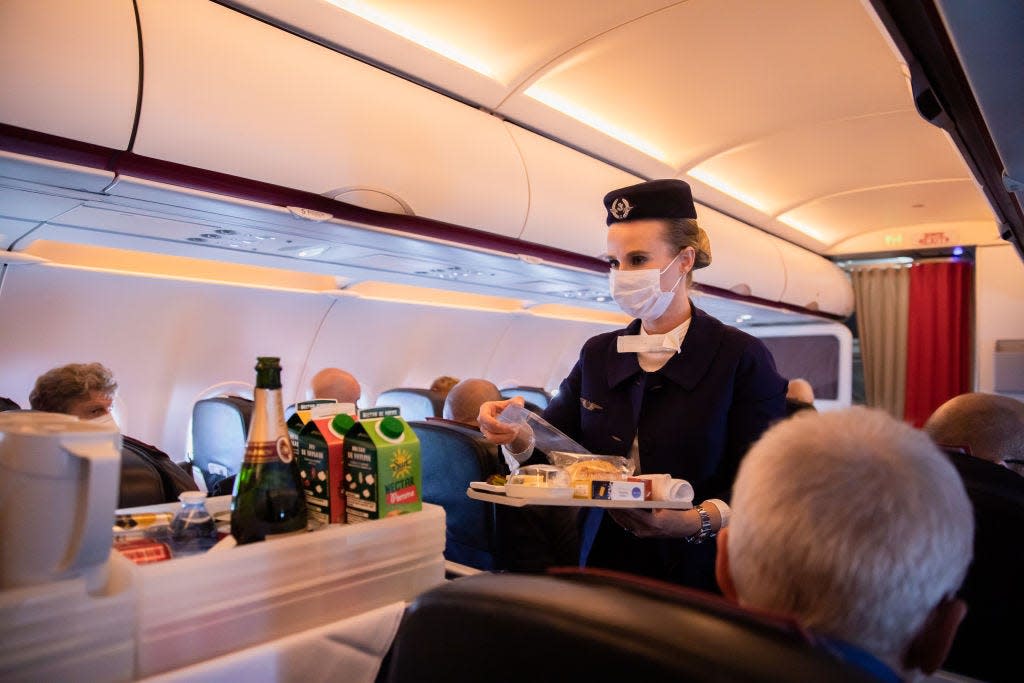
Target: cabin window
812 357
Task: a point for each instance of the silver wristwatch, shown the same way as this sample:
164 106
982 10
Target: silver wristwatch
705 527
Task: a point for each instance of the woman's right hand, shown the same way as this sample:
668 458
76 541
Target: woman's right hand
494 430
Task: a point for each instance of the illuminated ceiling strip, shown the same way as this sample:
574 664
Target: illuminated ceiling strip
727 188
399 27
571 109
806 229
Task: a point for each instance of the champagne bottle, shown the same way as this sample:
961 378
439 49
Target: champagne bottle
268 499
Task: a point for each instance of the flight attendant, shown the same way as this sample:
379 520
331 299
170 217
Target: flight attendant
676 391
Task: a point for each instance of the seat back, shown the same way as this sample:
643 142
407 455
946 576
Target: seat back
597 626
452 456
535 395
415 404
219 429
141 483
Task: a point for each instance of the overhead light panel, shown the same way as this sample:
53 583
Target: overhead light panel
572 110
808 230
398 26
727 188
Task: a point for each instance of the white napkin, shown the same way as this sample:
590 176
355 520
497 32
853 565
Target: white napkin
664 487
648 343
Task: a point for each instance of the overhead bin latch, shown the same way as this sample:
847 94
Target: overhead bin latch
310 214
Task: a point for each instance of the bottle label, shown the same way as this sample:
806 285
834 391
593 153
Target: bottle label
269 451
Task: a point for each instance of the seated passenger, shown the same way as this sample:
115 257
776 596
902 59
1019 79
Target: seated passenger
86 390
442 385
529 539
337 384
990 428
462 404
799 396
857 526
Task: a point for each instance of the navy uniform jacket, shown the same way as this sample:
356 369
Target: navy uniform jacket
696 417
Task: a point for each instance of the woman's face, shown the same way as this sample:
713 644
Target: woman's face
637 245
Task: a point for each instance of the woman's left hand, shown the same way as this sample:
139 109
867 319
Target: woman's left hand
657 523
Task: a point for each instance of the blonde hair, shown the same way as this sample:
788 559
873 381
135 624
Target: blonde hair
685 232
56 389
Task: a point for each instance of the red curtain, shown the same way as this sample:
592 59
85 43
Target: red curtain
938 337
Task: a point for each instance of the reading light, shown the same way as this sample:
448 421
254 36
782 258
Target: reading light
417 35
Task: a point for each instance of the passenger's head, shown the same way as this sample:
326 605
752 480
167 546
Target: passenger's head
856 525
443 384
800 390
990 426
652 227
85 390
464 400
337 384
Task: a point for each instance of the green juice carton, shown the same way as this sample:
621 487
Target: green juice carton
382 467
320 450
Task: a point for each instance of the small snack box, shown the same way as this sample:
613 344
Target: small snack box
321 456
382 467
618 490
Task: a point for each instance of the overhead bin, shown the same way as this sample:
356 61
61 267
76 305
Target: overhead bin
566 188
815 283
227 93
744 260
70 68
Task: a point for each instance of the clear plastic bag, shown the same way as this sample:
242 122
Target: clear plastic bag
546 436
584 468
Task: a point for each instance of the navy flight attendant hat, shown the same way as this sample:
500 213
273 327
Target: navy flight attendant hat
654 199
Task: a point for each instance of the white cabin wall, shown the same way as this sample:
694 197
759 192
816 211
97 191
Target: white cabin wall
166 340
170 339
999 293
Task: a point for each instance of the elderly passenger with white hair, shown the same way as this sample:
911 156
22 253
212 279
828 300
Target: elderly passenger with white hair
858 527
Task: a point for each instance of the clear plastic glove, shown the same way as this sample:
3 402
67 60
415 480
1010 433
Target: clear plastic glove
497 432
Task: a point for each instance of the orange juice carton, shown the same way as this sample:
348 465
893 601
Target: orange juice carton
382 467
320 450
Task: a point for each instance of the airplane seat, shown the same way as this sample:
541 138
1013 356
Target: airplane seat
219 428
597 625
415 404
141 483
451 457
535 395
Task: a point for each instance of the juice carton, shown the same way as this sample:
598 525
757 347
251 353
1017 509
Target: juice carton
300 417
321 457
382 467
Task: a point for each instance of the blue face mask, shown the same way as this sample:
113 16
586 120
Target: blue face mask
638 292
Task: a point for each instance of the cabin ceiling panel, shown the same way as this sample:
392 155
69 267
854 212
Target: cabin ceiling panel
900 206
499 44
784 171
740 70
